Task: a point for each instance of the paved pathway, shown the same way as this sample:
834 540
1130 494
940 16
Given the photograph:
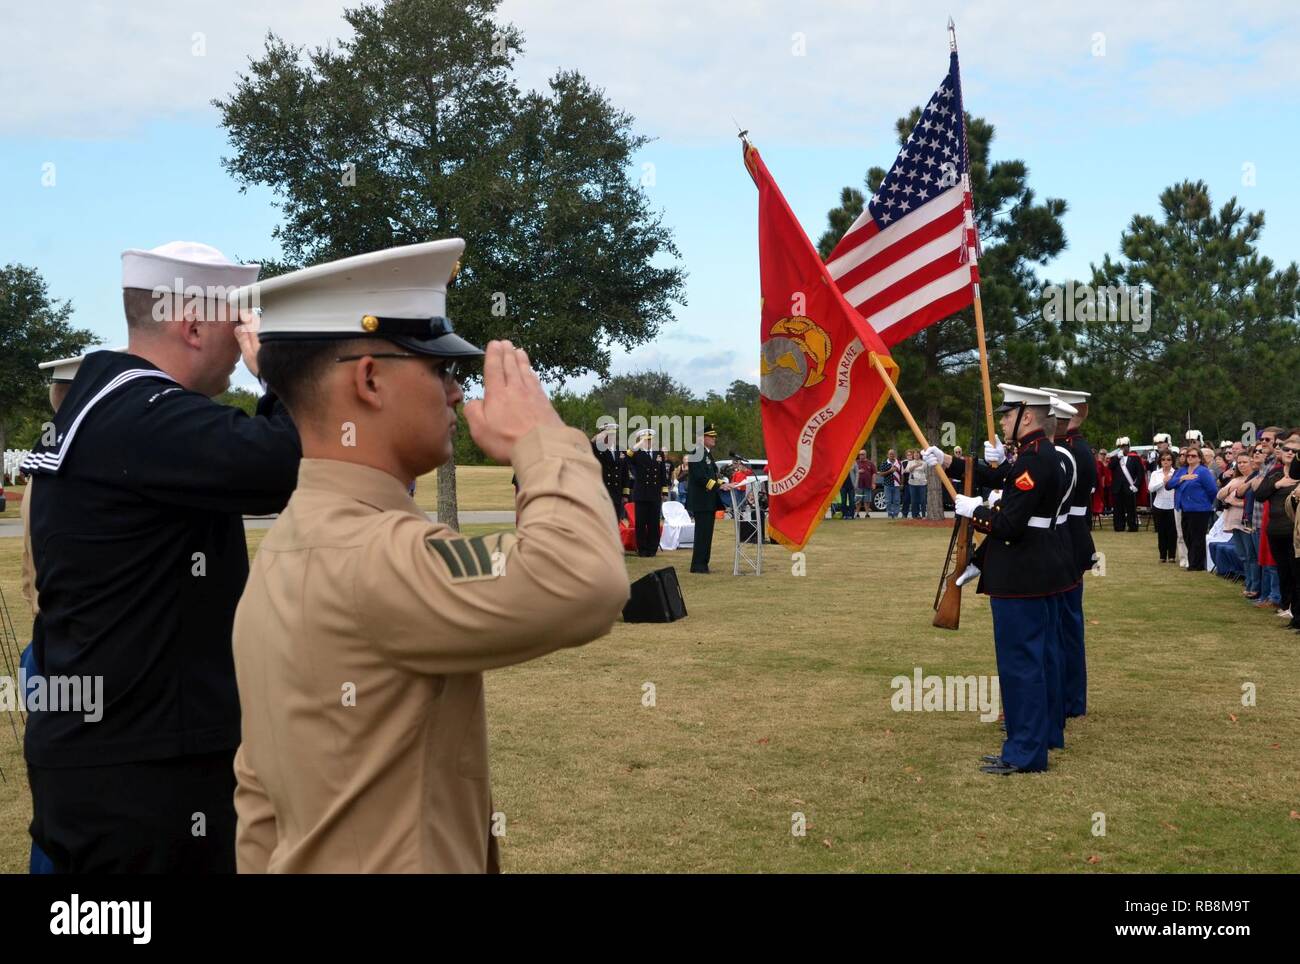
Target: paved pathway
13 528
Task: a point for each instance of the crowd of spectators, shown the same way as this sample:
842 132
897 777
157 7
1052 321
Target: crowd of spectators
1230 509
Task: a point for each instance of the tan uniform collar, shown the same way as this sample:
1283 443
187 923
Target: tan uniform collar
373 487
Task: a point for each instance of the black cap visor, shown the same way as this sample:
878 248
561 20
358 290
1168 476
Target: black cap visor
444 346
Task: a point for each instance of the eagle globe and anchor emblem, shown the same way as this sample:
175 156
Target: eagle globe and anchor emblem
793 358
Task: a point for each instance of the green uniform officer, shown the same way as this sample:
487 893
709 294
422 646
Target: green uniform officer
703 485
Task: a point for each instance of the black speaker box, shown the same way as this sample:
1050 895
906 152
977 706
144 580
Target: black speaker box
656 598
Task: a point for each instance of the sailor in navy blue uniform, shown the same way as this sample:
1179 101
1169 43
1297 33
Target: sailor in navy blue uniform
613 468
1074 680
1023 567
650 480
139 554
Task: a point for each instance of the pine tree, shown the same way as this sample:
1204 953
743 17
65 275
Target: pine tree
1190 328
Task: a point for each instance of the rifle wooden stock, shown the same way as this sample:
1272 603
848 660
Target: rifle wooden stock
947 614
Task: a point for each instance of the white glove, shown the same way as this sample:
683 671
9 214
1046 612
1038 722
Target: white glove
995 452
995 497
971 572
932 456
1132 488
967 504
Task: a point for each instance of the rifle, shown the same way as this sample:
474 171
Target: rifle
947 599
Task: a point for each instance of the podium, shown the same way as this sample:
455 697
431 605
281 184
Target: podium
749 521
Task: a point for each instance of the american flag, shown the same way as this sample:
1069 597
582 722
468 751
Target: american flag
909 259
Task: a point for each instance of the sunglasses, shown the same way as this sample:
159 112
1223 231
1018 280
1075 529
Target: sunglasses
1292 451
444 368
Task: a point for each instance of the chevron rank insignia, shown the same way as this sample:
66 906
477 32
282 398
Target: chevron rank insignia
482 557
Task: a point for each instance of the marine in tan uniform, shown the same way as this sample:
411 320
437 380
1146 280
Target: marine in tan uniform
362 636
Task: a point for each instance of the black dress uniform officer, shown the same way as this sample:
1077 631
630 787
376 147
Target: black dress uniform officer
1023 567
613 468
1074 665
139 553
1055 427
702 487
1127 476
650 481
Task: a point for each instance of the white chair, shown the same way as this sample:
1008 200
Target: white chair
678 530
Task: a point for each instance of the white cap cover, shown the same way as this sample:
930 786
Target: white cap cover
1013 395
179 267
1062 408
1071 395
399 294
65 369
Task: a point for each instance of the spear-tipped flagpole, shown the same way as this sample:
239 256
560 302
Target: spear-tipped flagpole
742 134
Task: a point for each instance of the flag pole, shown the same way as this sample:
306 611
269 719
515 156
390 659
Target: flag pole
911 422
979 305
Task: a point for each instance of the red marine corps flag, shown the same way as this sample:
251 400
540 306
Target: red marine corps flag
820 393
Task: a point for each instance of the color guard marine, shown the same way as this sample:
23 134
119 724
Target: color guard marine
1024 569
1074 678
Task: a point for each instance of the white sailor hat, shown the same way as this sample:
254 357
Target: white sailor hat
1193 433
1161 437
642 433
65 369
398 294
1070 395
1122 441
1061 408
179 267
1014 395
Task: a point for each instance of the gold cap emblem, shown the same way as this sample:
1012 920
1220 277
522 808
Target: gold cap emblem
370 323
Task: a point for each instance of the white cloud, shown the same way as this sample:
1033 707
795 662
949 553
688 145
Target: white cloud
680 334
93 68
685 68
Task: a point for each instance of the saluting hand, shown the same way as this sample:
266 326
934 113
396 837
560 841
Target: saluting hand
513 403
246 335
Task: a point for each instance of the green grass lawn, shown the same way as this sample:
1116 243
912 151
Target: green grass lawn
13 500
773 697
478 488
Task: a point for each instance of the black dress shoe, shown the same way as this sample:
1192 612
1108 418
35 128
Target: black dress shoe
702 572
990 758
1002 769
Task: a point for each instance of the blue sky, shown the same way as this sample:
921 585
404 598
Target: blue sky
1107 105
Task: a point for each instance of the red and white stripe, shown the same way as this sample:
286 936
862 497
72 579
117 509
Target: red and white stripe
919 269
